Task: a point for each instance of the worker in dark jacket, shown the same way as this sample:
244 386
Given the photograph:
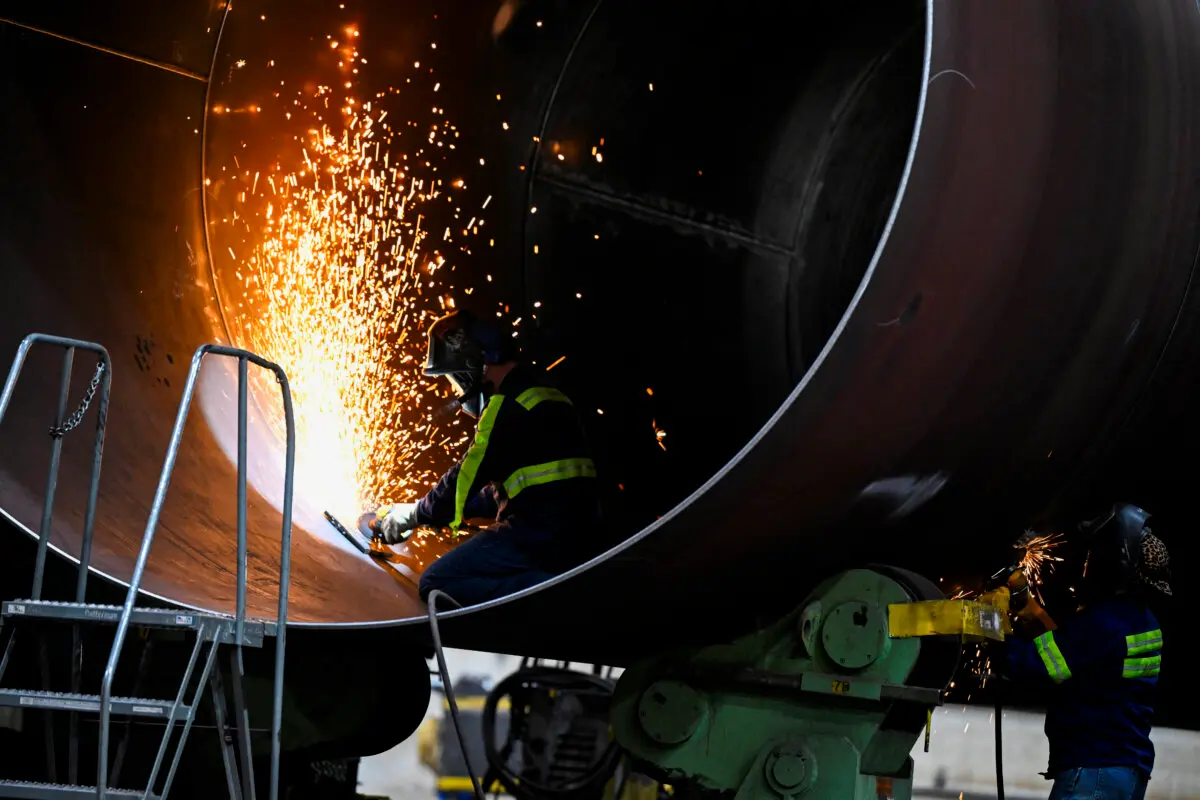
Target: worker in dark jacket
528 469
1104 665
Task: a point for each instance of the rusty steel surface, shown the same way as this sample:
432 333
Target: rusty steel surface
103 238
1030 274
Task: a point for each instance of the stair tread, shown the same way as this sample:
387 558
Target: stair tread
80 696
64 789
90 703
211 624
183 612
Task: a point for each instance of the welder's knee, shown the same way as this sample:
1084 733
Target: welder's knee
463 589
482 569
430 580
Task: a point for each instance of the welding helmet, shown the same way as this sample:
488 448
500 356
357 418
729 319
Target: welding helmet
460 345
1115 541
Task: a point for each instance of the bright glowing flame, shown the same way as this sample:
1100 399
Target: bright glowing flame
338 287
1038 559
339 309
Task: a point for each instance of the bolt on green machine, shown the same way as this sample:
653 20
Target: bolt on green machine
825 704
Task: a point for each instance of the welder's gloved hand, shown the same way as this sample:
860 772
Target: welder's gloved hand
1034 617
1018 581
1020 592
401 519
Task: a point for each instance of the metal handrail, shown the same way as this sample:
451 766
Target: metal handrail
89 516
160 493
102 380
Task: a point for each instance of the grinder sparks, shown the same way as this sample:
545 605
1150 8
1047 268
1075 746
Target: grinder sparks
339 279
1038 558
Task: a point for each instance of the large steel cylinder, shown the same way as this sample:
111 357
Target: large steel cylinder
894 278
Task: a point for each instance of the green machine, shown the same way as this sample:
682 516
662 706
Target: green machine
825 704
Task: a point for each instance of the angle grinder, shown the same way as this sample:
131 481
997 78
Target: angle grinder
368 538
1021 600
369 522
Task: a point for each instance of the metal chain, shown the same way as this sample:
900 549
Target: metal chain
72 422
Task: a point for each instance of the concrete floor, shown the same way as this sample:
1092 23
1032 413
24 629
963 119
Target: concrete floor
960 759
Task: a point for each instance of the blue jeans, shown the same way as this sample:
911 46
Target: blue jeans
487 566
1103 783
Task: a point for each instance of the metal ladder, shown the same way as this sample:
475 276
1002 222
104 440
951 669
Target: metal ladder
213 629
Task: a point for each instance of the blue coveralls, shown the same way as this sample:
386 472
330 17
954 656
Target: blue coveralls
529 469
1105 664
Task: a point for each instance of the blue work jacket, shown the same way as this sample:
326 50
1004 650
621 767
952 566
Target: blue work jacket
1104 664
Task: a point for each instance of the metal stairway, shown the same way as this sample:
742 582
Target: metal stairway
217 631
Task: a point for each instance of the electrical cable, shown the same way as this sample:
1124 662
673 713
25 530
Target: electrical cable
431 601
999 742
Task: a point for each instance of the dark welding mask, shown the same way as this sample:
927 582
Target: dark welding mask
459 347
1114 548
468 390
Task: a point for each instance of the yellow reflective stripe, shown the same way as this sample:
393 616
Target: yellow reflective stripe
529 398
474 457
1052 657
1139 643
1141 667
547 473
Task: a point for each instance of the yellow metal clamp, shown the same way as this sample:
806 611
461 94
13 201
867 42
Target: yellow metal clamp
970 619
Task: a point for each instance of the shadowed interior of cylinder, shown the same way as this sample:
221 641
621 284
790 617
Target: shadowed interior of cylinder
748 167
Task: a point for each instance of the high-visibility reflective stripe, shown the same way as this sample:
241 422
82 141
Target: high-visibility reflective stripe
474 457
529 398
1139 643
1052 657
1142 667
547 473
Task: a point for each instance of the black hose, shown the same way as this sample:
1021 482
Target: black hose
431 601
999 743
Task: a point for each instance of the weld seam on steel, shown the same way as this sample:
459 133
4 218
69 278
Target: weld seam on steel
643 209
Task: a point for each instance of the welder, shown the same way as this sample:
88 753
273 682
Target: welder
528 471
1103 664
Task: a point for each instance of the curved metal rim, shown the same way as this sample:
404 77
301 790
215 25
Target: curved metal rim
208 91
16 523
535 157
910 159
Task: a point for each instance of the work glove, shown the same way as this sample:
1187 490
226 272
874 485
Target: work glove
398 522
1033 618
